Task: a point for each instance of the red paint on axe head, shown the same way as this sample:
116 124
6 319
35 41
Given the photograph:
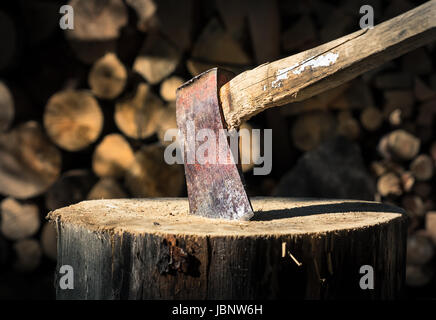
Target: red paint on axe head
215 188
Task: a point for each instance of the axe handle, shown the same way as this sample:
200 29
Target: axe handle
311 72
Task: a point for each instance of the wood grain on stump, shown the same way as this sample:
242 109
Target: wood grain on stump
153 249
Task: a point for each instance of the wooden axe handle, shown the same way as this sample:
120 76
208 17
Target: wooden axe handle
308 73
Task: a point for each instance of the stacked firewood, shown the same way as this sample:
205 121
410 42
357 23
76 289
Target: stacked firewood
84 112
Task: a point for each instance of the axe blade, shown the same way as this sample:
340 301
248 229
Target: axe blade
215 189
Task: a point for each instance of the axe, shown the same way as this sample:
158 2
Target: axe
216 100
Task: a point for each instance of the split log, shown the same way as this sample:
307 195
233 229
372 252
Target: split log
49 241
422 167
8 35
407 181
347 125
371 118
106 188
430 225
418 276
73 119
422 189
426 113
97 25
301 36
72 187
215 47
167 121
29 162
151 176
321 101
112 157
156 250
7 110
398 100
175 20
18 221
420 249
249 147
234 16
157 59
265 37
145 12
28 253
107 77
400 144
422 91
393 80
312 128
169 86
356 96
389 184
138 116
413 205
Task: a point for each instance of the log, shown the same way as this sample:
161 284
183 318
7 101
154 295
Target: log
156 250
157 59
348 126
413 205
430 225
389 184
28 253
371 118
97 25
312 128
49 241
107 77
7 109
145 12
216 47
106 188
18 221
402 145
112 157
29 162
151 176
167 121
175 20
72 187
138 116
418 276
422 189
422 91
393 80
420 249
249 147
169 86
422 167
73 119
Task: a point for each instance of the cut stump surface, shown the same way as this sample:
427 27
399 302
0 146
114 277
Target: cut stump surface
292 248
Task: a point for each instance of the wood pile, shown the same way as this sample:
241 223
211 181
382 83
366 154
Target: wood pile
83 112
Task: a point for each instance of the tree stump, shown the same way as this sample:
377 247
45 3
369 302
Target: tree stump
292 248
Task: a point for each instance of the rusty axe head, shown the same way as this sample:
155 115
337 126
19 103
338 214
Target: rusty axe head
213 175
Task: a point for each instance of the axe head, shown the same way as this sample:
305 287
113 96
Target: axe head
213 175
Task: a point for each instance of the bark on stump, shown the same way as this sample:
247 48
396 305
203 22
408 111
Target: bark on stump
153 249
